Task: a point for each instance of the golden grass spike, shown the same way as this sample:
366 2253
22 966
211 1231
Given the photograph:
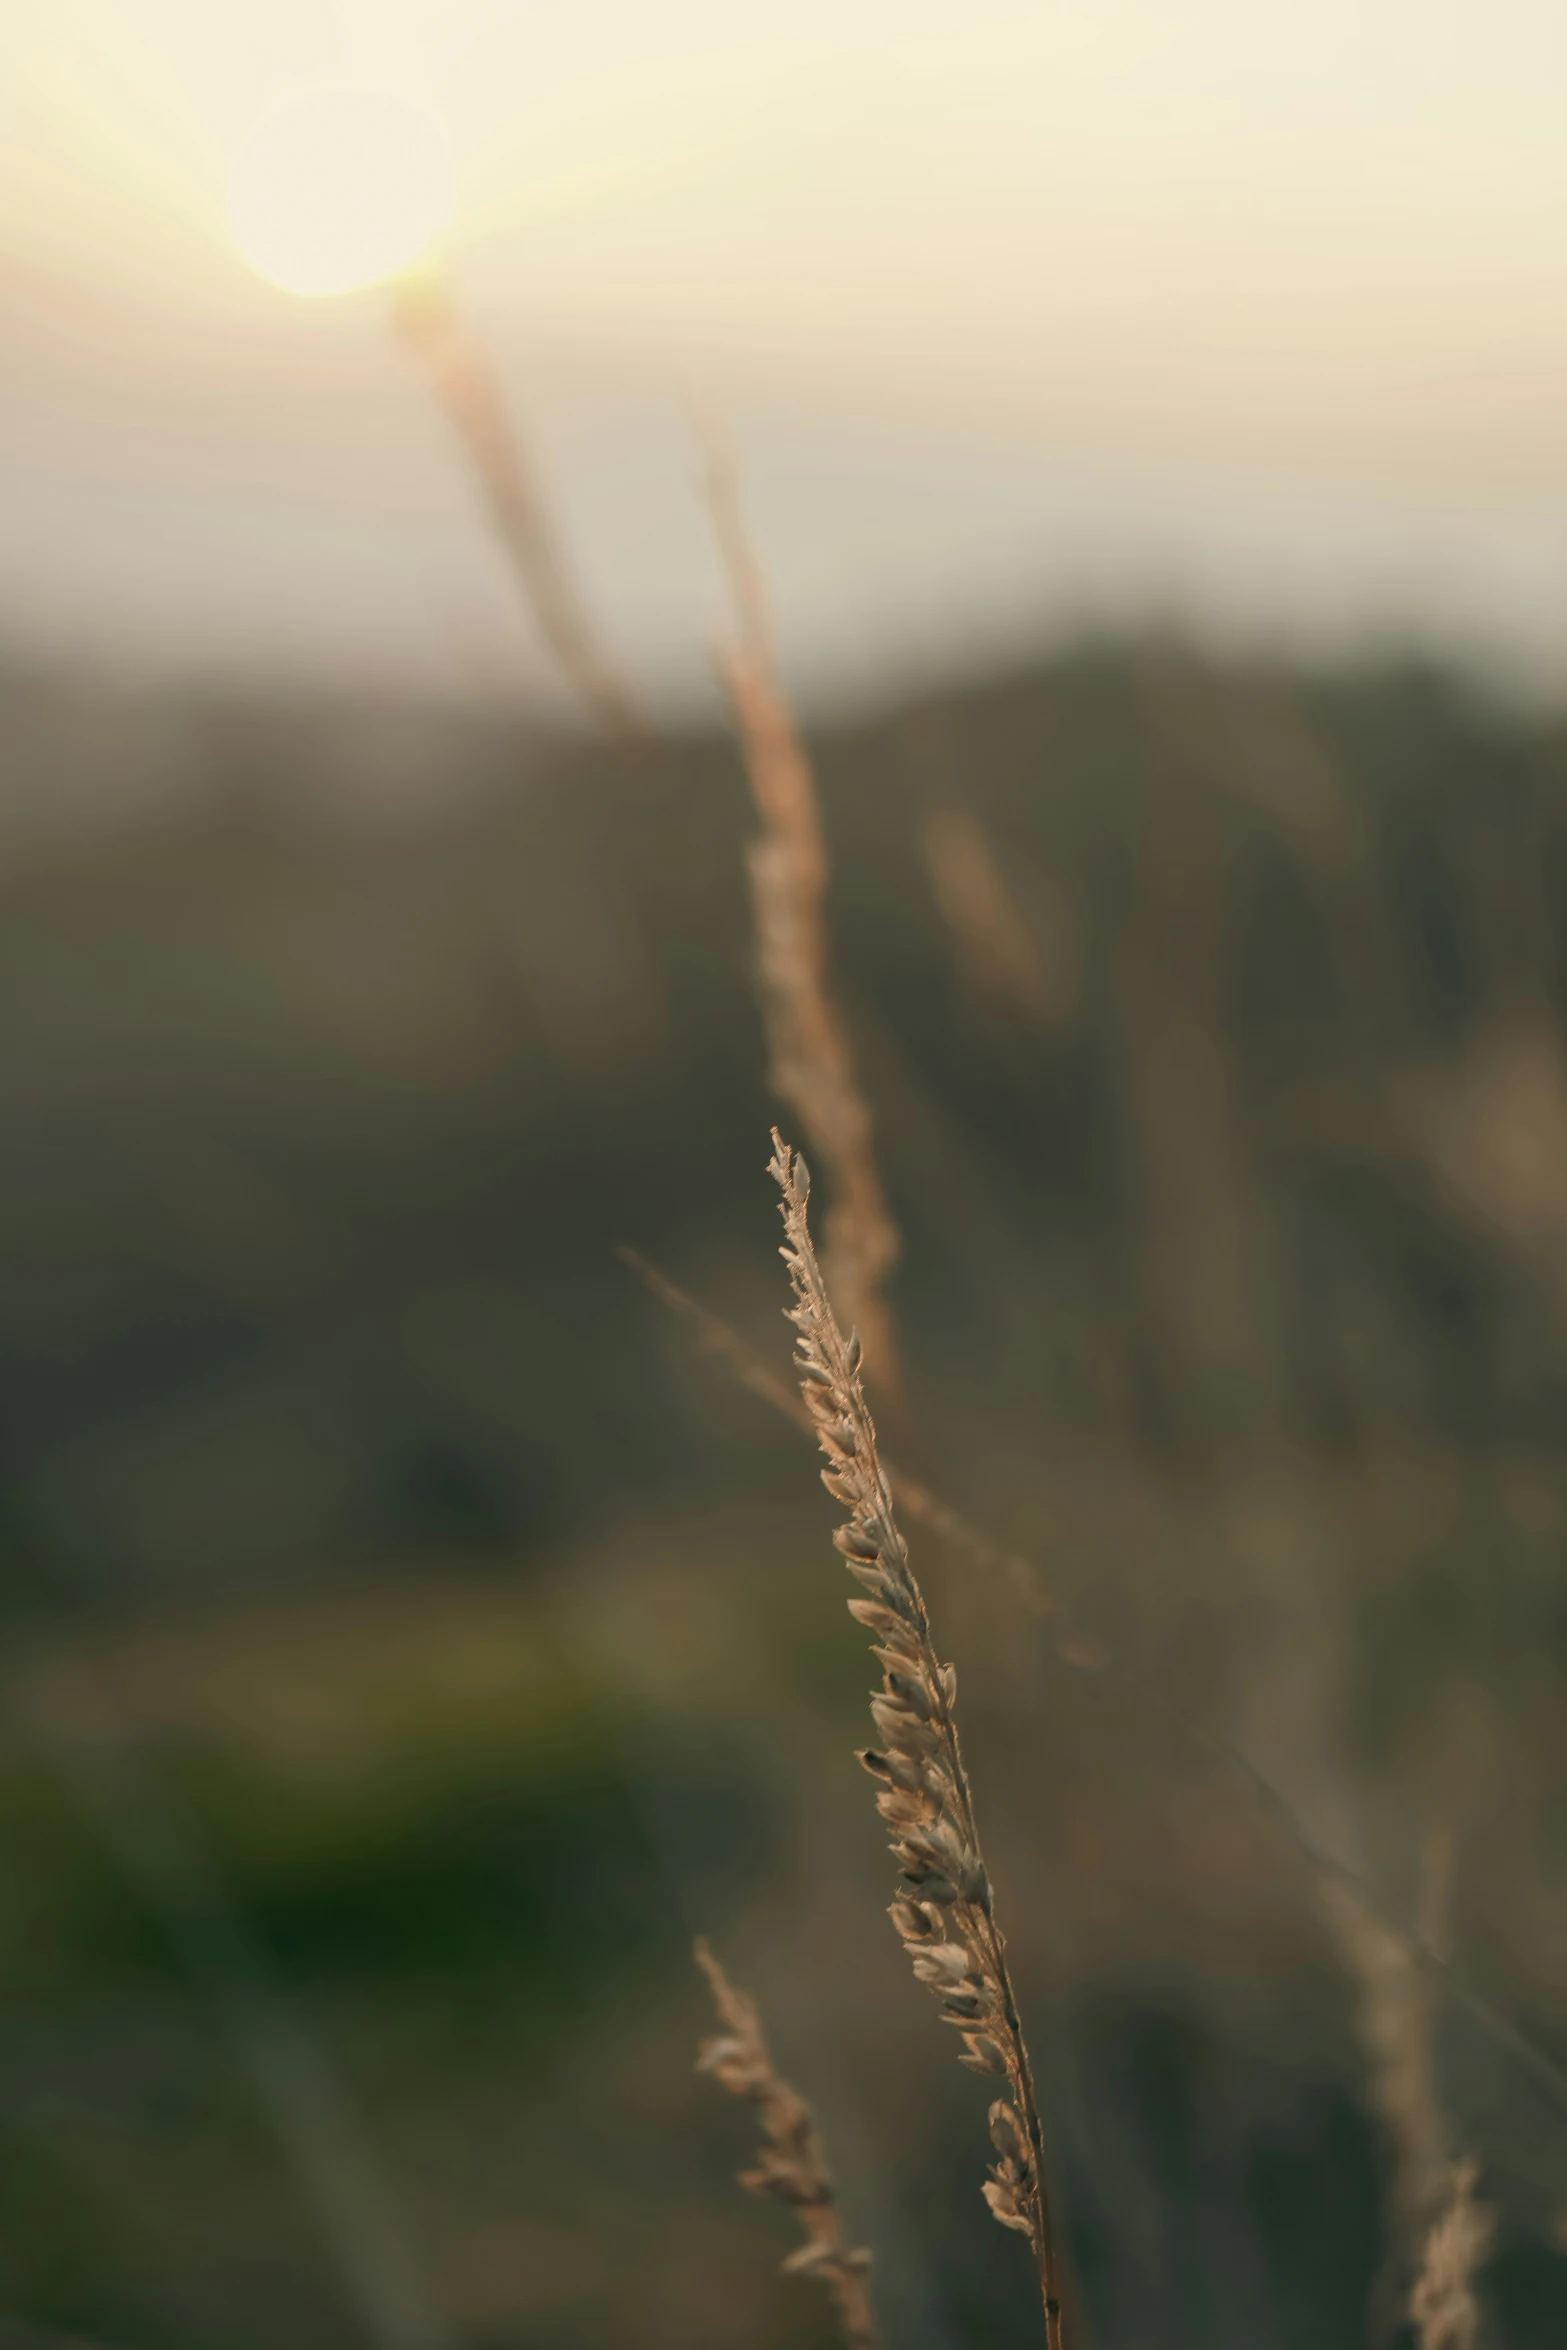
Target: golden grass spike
812 1066
1084 1653
915 1500
1397 2009
468 393
792 2165
944 1912
1442 2305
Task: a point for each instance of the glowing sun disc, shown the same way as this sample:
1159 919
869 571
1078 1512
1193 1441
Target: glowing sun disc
340 188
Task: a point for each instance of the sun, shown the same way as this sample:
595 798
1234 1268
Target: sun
339 188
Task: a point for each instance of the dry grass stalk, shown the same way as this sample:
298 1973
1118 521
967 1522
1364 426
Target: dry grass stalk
468 393
1443 2306
793 2165
1396 2017
812 1066
913 1498
1395 2024
944 1910
1442 2232
1084 1653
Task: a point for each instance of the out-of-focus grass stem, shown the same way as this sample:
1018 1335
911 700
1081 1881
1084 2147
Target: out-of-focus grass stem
465 388
812 1065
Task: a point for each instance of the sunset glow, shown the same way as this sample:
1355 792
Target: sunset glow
1267 304
340 188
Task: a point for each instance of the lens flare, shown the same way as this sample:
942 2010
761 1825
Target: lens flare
340 188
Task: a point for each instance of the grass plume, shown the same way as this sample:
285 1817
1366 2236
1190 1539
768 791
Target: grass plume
915 1499
1443 2306
792 2165
1084 1652
944 1912
1397 2011
811 1063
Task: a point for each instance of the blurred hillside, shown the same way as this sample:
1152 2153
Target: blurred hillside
485 1642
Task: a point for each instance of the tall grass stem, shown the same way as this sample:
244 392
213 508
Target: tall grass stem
945 1907
812 1066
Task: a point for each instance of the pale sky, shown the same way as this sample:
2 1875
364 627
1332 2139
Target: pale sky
1251 307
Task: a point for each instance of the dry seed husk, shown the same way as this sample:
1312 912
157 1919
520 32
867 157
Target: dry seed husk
945 1914
790 2166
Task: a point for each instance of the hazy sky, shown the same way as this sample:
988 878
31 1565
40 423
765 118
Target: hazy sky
1262 307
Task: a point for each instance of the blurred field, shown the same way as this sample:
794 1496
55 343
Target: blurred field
374 1538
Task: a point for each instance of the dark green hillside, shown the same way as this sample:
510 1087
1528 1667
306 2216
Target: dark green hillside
482 1643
